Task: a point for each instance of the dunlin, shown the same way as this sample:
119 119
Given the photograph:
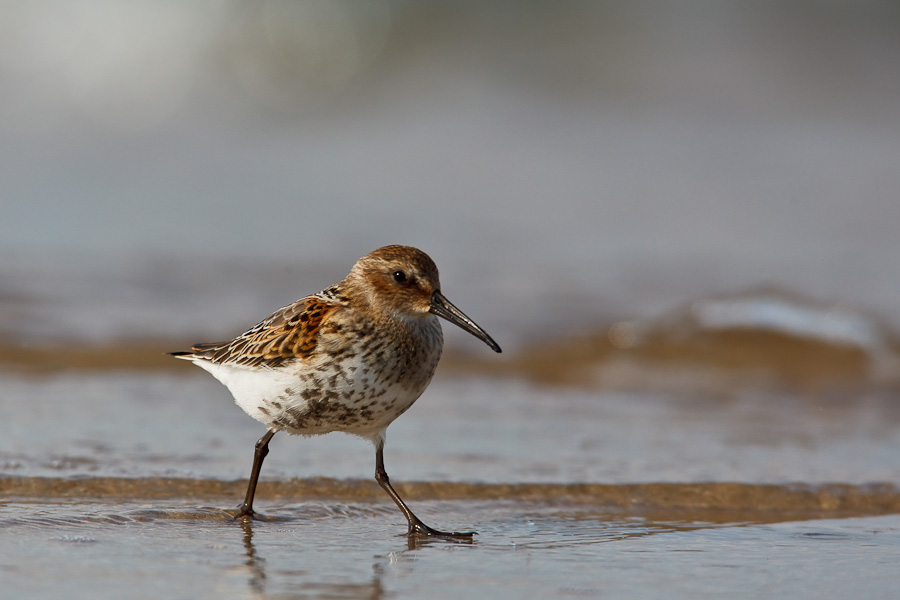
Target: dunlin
351 358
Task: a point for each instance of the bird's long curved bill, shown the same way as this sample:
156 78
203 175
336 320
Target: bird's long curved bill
443 308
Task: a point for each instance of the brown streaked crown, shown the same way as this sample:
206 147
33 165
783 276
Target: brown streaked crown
398 279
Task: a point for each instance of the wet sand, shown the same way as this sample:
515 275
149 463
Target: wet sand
702 502
116 469
689 460
523 550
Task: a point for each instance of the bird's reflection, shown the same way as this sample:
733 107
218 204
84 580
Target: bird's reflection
255 563
258 580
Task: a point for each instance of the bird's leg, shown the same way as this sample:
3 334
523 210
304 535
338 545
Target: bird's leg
416 526
259 454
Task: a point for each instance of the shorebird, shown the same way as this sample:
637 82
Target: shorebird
351 358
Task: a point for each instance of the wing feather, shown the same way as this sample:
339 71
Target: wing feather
290 333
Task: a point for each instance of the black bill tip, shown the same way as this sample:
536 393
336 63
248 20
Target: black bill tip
445 309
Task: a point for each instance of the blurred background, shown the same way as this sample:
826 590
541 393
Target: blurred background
177 170
680 220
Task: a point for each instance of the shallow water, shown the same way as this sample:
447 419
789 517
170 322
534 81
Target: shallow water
82 549
143 425
133 503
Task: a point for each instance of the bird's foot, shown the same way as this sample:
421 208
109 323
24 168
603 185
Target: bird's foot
245 513
419 529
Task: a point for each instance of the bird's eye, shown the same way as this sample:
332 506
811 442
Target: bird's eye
399 276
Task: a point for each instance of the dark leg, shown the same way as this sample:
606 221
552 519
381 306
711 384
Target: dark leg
259 454
416 527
